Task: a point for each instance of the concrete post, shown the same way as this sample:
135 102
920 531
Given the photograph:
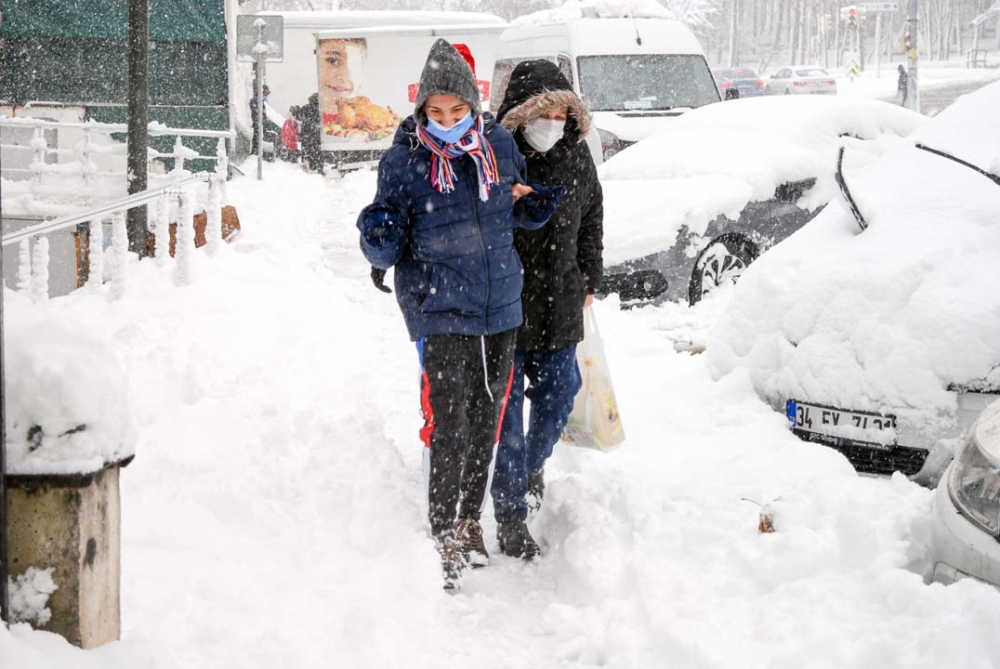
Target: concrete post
73 525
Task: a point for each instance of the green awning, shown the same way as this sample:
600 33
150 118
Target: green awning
169 20
81 71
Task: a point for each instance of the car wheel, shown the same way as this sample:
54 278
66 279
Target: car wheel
719 264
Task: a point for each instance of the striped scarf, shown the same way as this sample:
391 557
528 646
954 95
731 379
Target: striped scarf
472 144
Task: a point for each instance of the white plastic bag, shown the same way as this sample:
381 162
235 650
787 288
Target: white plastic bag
594 421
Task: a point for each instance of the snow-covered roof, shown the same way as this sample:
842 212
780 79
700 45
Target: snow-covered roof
717 158
358 19
888 318
579 9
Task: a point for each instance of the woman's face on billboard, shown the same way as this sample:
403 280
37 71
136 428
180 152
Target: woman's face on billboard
341 69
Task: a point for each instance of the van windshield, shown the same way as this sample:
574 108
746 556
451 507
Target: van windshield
646 82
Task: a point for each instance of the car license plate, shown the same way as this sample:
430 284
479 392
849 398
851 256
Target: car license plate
841 427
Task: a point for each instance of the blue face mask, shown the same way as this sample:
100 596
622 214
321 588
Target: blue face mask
452 134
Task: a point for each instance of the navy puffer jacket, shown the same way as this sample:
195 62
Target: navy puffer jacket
456 268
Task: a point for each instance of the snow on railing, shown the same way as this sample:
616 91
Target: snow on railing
33 257
45 176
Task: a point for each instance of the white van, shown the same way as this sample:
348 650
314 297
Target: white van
633 73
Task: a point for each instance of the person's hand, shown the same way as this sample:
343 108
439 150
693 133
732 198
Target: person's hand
587 301
541 203
382 222
520 190
378 278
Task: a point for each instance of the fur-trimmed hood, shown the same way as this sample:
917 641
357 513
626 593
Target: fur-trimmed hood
535 87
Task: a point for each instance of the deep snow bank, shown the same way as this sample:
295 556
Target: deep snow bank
67 398
714 160
885 319
273 518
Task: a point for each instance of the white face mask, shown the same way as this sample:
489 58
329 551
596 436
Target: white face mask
543 133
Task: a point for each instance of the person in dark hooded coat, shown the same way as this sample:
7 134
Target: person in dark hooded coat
563 268
309 133
444 218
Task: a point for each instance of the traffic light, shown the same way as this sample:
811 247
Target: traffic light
907 41
852 18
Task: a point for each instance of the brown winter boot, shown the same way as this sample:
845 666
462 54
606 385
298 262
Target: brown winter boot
470 536
452 560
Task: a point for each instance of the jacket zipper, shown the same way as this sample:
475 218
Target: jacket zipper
482 244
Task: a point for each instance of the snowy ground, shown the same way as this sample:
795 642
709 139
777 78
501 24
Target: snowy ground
934 75
272 515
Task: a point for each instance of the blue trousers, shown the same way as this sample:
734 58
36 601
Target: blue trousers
554 380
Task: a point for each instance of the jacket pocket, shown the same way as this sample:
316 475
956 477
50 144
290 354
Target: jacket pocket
413 285
451 291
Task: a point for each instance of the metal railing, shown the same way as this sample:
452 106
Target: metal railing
48 161
174 204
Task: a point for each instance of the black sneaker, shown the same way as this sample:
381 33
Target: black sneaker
516 541
452 561
536 491
470 537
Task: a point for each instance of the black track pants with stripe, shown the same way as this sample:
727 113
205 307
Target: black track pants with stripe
462 418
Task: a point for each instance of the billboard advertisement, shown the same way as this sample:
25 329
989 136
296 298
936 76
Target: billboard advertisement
368 79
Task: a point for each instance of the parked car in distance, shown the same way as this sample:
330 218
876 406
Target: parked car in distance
692 206
801 81
743 80
966 521
876 328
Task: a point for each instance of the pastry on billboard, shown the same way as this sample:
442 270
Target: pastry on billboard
359 118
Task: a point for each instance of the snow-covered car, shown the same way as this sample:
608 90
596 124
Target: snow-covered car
739 82
802 81
877 326
966 521
686 210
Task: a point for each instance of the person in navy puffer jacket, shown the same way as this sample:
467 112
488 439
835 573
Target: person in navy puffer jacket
444 218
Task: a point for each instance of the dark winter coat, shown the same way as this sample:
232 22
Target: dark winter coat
309 132
456 268
562 262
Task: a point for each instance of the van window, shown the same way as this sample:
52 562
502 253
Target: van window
501 77
505 67
646 82
566 67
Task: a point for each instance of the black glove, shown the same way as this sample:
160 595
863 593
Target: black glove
378 278
543 201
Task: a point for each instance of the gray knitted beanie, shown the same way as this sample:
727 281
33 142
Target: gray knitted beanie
446 72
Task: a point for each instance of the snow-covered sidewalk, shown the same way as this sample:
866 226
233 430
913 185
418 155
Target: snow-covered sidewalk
272 515
934 75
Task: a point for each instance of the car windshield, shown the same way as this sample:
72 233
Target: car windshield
632 83
811 72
